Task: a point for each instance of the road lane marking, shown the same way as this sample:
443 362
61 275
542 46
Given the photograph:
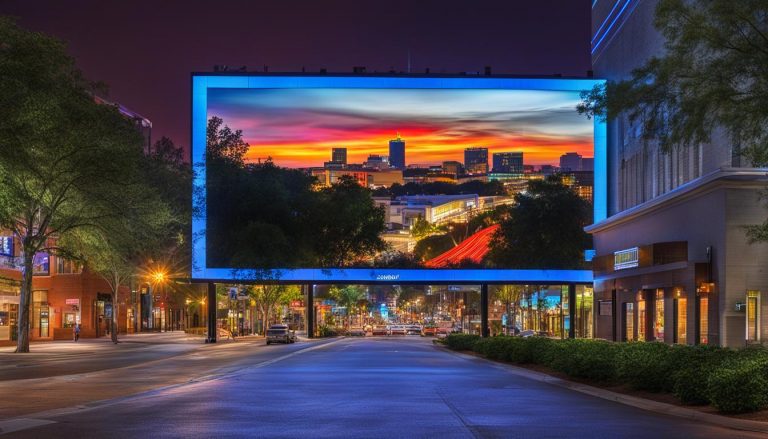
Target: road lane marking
19 424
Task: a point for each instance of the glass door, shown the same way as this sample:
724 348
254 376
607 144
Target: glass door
753 315
628 316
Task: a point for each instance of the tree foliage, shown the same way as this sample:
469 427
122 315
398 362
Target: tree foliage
711 76
67 164
263 216
544 229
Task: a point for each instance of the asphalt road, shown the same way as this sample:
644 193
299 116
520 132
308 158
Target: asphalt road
360 387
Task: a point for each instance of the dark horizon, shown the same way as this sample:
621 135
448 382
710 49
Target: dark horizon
145 51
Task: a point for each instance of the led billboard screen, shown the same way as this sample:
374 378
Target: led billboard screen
377 178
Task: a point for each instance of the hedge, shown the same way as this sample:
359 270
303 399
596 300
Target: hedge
733 381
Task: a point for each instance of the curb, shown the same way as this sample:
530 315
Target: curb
634 401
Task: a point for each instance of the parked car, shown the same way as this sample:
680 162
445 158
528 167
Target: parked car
356 332
413 330
280 334
397 330
429 331
380 330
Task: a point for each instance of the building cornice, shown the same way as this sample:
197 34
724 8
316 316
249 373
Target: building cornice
706 183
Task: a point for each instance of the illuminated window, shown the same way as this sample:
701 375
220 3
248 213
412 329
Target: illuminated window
67 266
682 320
703 320
641 320
753 324
41 264
629 321
658 317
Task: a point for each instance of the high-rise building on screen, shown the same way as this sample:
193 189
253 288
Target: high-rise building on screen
453 167
570 161
476 160
397 153
339 155
508 162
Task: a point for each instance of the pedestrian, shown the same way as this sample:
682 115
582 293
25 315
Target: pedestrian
77 331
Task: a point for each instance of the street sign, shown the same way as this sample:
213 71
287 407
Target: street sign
233 293
242 295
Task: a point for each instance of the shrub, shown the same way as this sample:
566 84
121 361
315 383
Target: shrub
696 363
461 342
739 386
645 365
591 359
493 348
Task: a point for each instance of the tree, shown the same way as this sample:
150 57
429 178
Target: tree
422 228
224 143
545 229
711 76
63 157
348 224
348 297
268 296
509 296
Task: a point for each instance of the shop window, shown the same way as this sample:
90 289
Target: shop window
584 305
69 320
642 321
629 321
40 313
753 315
658 316
681 335
703 320
41 264
9 313
67 266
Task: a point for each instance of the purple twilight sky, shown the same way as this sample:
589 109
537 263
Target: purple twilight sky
145 49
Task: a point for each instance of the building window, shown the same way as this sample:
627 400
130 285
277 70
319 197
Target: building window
41 264
753 315
40 312
67 266
584 305
703 320
658 316
642 320
629 321
682 321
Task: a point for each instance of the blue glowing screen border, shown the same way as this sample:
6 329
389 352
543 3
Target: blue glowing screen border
202 82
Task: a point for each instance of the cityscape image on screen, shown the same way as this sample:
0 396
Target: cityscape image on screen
328 177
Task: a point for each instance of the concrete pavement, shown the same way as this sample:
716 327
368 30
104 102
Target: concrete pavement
384 387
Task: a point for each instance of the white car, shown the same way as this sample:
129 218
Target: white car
280 334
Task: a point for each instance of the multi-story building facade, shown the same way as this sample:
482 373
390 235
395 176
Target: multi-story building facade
397 152
339 155
508 162
476 160
570 161
673 263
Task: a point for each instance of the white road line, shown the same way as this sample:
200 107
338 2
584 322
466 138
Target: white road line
18 424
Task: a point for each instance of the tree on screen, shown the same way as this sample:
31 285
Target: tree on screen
545 229
347 224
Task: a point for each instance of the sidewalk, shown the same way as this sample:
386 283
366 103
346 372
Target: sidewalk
630 400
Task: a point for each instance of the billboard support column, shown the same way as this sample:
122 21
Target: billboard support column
484 329
310 310
212 306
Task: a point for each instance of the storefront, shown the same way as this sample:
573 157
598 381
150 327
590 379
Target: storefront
9 310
